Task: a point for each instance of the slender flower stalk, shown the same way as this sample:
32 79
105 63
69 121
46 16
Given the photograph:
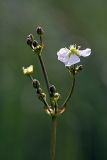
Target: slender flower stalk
41 42
70 93
44 72
53 138
40 32
31 77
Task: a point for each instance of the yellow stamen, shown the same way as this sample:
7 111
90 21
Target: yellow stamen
73 50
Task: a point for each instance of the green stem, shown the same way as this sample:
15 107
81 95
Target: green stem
41 42
53 138
31 78
44 72
70 93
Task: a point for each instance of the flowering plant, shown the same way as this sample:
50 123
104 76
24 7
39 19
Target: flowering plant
70 57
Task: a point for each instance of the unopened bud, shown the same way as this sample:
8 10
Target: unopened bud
30 36
36 83
52 90
29 40
79 68
42 96
39 30
39 90
34 44
56 96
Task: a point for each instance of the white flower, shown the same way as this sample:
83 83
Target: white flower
28 70
71 56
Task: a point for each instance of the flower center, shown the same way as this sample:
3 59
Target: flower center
73 50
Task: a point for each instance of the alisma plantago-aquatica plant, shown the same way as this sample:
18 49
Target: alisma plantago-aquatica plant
70 57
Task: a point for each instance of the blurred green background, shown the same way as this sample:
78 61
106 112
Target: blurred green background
24 127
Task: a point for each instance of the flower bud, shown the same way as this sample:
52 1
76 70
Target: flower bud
29 40
30 36
79 68
36 83
42 96
56 96
34 44
52 90
39 90
39 30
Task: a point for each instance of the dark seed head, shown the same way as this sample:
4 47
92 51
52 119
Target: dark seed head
36 84
52 90
30 36
39 30
35 43
29 41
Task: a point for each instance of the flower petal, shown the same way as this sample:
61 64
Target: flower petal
73 60
84 53
63 55
28 70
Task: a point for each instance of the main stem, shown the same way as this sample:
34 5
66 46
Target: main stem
53 138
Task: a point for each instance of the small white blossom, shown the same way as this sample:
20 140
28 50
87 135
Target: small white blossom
28 70
71 56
